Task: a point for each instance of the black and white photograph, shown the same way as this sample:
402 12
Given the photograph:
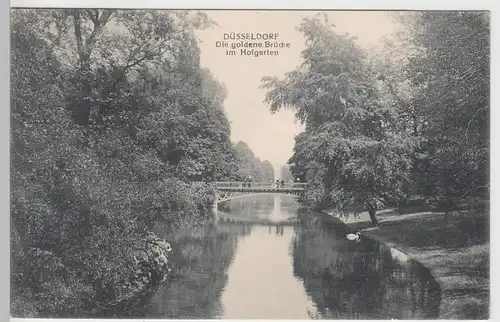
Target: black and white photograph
249 164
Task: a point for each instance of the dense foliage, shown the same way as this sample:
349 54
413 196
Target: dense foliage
286 174
251 167
350 152
452 97
382 128
112 119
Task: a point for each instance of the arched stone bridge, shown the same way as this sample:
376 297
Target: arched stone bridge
229 190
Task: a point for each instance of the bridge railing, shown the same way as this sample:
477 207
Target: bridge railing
263 185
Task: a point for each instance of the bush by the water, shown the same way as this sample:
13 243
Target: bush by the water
107 134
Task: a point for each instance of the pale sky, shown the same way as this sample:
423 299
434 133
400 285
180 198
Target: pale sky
271 137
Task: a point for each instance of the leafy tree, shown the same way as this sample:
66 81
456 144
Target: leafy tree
112 118
286 175
353 155
250 166
451 75
267 171
297 164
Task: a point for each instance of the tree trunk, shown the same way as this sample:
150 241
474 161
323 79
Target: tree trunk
415 125
373 217
82 113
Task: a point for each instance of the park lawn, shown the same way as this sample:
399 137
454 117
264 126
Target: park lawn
456 252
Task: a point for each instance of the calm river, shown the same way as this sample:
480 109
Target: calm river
265 258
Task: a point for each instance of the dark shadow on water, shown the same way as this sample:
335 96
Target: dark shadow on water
360 280
343 279
198 276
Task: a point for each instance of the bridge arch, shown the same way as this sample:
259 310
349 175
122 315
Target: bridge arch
235 195
225 191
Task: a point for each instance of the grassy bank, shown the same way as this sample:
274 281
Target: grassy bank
456 251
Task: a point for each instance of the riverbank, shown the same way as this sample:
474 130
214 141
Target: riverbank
456 252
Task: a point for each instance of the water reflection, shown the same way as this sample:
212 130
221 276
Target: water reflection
261 283
266 259
360 280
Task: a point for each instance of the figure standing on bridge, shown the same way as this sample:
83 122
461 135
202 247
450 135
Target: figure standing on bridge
277 183
282 183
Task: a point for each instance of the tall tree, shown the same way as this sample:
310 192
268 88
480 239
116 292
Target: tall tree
353 156
112 117
286 174
267 171
450 77
249 166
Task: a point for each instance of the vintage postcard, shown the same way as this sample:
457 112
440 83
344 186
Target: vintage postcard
225 164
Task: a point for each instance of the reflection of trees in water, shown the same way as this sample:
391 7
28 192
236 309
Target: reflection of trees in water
288 202
280 230
258 202
359 280
250 204
200 262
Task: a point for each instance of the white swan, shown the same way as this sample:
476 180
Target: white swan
353 236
